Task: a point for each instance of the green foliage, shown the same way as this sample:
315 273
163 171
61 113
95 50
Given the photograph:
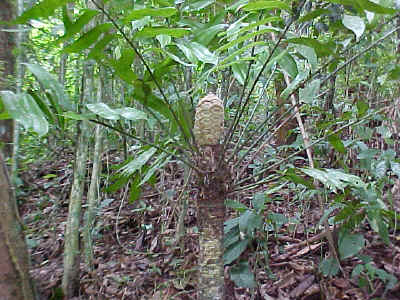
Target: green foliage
128 113
43 9
242 276
23 108
366 273
169 56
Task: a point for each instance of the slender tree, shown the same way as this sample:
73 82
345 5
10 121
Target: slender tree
15 283
7 70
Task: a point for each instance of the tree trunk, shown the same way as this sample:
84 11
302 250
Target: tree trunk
211 216
70 280
7 65
15 283
93 196
72 255
21 36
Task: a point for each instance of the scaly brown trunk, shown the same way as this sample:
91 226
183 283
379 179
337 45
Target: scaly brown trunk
211 215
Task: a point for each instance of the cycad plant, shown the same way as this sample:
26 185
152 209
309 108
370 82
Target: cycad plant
212 184
170 55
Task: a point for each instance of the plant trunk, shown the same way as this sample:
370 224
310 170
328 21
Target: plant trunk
7 65
15 283
93 196
70 280
211 215
20 77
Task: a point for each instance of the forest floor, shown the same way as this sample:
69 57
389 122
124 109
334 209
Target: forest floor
135 256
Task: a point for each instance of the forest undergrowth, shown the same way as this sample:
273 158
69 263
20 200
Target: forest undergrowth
137 255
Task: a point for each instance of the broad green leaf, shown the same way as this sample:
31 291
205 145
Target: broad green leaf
291 175
337 143
123 66
188 52
57 111
77 26
234 251
308 94
231 237
177 59
198 51
355 24
5 115
383 230
320 48
79 117
258 5
242 275
87 39
185 116
230 224
301 76
65 17
139 24
197 5
350 244
164 40
394 74
334 179
240 71
329 267
144 95
247 37
202 53
97 51
23 108
362 108
277 219
137 163
249 222
367 154
151 32
164 12
206 35
49 83
43 9
103 110
380 169
135 189
131 114
309 54
357 270
370 16
384 131
161 161
236 205
376 8
258 201
118 182
288 64
43 107
328 211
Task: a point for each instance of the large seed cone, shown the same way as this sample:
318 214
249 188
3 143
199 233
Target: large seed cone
209 120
